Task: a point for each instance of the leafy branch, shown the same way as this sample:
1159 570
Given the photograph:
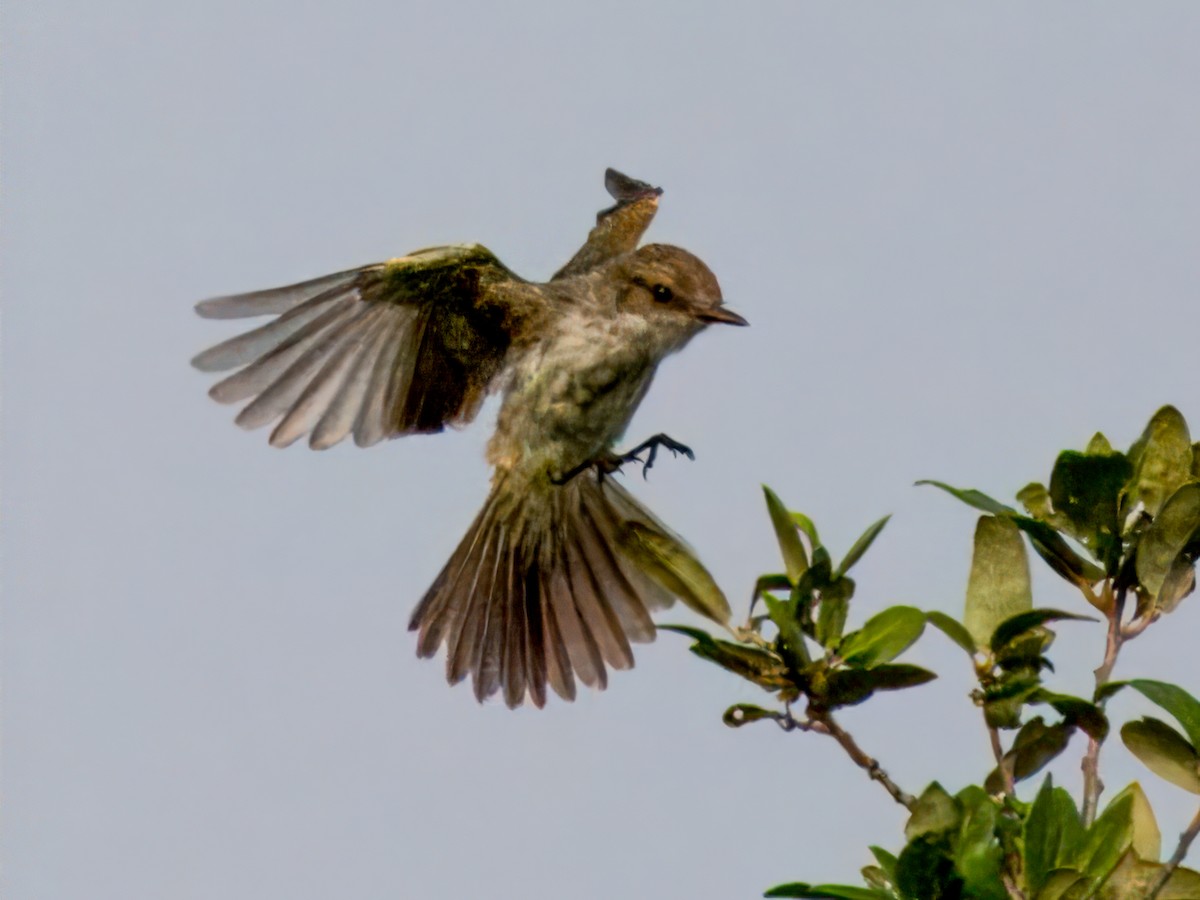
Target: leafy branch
1124 530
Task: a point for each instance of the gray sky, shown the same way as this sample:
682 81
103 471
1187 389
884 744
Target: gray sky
965 235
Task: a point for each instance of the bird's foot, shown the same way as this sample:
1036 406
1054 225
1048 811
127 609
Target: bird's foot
650 447
605 465
612 462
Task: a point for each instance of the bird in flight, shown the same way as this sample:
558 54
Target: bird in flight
562 567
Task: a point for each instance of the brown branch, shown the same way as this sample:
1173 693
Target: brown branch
1176 858
1012 858
1011 887
1185 841
1092 785
1137 626
824 723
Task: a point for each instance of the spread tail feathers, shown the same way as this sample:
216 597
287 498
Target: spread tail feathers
541 590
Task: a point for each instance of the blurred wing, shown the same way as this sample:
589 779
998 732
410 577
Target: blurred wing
401 347
618 228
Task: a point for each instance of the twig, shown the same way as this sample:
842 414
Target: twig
1137 626
1091 765
825 723
1011 887
1012 858
788 722
1185 841
1092 785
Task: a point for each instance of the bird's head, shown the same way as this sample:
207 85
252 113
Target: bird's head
672 288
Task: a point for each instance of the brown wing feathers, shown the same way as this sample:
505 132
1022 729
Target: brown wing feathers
395 348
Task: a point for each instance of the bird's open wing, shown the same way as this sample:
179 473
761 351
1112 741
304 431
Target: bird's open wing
618 228
406 346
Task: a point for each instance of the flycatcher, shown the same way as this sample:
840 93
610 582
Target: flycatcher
562 566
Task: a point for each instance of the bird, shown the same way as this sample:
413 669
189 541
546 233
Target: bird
562 567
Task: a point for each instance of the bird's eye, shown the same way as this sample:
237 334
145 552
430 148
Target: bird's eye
662 293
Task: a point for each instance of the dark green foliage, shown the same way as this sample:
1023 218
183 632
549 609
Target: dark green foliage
1052 834
809 655
1164 751
884 636
1122 528
1022 623
1084 491
1175 700
1035 745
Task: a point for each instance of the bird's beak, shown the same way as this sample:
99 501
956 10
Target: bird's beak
723 315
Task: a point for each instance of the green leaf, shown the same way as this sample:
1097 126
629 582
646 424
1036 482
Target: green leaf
886 861
1005 712
1053 832
1004 701
1180 581
696 634
744 713
849 686
1147 839
1036 500
1184 884
1164 751
847 892
1162 460
1175 530
1065 884
934 812
1088 717
1108 690
1108 838
795 560
676 568
1046 541
1015 626
998 587
897 676
972 497
861 545
1035 745
823 565
834 891
1133 877
953 629
1057 553
977 852
805 524
884 636
1175 700
763 668
875 877
925 870
831 614
772 582
791 637
1084 490
791 889
1024 654
1099 445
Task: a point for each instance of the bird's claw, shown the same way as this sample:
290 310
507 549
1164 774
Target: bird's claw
651 446
607 465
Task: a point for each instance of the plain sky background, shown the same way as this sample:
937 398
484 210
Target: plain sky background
965 236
